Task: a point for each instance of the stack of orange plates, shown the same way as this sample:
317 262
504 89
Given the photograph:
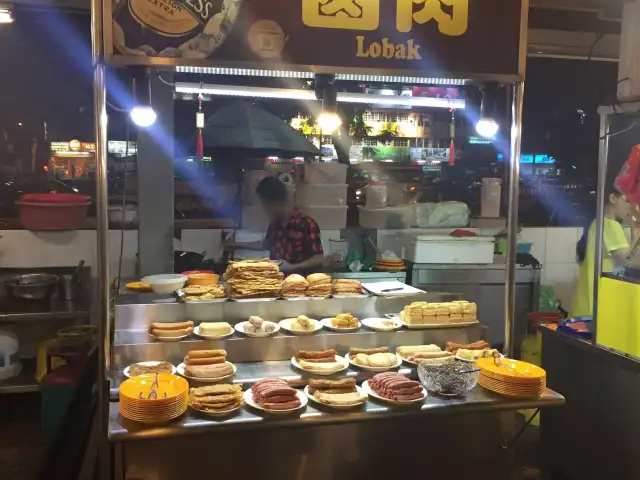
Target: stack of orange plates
512 378
390 265
154 398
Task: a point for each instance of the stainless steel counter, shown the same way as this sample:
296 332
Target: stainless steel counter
477 400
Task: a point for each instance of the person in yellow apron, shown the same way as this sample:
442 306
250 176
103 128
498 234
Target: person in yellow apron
615 250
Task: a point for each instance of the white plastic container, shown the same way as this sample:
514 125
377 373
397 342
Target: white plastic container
376 196
490 197
166 282
254 219
321 173
327 218
446 249
251 180
9 364
386 218
321 195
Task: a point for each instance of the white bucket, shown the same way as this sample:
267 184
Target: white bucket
490 197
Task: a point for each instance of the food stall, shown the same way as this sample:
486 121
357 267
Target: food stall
72 160
603 355
251 345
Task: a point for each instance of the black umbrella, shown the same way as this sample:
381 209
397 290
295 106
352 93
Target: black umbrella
246 128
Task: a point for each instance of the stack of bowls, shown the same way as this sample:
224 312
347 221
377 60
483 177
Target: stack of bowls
154 398
512 378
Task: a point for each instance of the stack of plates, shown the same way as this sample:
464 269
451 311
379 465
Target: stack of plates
390 265
154 398
512 378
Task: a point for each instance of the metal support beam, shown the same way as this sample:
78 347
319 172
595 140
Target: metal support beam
601 188
102 235
512 217
155 183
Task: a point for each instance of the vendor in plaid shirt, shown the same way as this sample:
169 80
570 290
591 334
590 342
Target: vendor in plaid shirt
292 236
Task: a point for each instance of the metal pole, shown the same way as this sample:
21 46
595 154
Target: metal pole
512 217
599 221
102 231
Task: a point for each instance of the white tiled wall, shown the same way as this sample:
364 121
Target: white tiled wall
25 249
555 248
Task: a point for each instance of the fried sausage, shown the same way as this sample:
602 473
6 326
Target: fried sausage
204 361
278 392
282 406
172 333
171 326
207 353
307 355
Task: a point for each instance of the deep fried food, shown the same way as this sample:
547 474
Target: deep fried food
207 353
310 354
171 333
209 371
344 320
171 326
479 345
368 351
138 369
205 361
220 389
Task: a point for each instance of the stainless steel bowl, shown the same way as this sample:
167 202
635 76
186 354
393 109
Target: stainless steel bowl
35 286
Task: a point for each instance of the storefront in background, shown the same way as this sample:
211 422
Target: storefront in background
72 160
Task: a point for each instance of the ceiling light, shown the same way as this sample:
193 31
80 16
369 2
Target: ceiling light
142 113
308 95
487 126
329 122
5 15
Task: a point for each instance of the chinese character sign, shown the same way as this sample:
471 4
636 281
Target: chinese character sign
343 14
453 22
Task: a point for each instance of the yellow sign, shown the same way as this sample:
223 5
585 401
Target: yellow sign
453 25
74 145
365 14
343 14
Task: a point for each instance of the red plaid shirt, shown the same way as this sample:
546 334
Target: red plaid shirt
296 241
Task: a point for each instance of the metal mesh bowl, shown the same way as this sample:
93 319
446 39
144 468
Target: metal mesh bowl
451 378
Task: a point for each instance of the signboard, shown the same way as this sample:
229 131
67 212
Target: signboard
412 37
73 146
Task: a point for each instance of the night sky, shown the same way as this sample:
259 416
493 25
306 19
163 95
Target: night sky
46 69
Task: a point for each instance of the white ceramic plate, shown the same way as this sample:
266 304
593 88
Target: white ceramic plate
147 364
337 407
253 300
240 329
180 370
296 299
213 413
356 295
377 324
211 337
376 369
248 399
169 339
286 325
326 323
339 359
369 391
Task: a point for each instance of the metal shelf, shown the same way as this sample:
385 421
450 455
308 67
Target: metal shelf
23 383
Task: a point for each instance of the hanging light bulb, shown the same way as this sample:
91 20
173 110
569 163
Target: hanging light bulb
142 113
329 121
487 126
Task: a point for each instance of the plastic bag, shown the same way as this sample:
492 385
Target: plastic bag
442 215
548 301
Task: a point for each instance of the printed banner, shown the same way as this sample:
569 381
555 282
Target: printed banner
421 37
